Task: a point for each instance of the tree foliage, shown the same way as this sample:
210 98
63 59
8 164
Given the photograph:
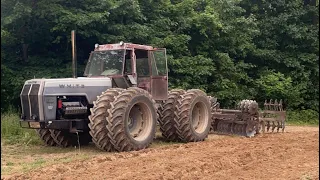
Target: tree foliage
231 49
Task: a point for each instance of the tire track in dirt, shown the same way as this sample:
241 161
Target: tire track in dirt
290 155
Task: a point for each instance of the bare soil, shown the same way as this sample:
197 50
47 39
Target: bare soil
293 154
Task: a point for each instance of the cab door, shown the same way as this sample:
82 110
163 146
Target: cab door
159 75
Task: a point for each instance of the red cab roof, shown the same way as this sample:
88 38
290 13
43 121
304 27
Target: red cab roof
122 45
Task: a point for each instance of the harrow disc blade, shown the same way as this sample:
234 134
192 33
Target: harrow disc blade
219 126
228 128
278 126
250 130
243 129
240 130
259 128
224 128
234 129
268 126
283 126
273 126
237 129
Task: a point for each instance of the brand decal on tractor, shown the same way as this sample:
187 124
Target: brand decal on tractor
32 82
71 85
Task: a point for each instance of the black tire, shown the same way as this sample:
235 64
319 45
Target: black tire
137 105
168 124
98 119
84 138
159 107
65 138
190 128
45 136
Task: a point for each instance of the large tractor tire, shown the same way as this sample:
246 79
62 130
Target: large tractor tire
66 139
98 119
45 136
132 120
167 121
63 138
193 116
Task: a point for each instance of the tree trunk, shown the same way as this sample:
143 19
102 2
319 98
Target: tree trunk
25 52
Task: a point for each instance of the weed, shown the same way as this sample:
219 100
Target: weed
9 164
306 177
12 133
33 165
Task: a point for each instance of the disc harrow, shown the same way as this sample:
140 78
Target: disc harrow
273 116
246 119
243 121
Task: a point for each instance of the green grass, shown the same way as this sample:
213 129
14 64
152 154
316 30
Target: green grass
303 117
10 164
20 158
12 133
306 177
36 164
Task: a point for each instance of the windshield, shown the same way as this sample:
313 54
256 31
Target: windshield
105 63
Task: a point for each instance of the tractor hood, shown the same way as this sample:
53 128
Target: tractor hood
81 86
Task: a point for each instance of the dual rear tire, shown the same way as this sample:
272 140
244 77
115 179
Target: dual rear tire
185 116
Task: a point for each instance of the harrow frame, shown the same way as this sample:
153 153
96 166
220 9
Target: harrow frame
272 116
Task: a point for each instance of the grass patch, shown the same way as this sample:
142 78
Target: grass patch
306 177
12 133
162 142
36 164
303 117
10 164
21 158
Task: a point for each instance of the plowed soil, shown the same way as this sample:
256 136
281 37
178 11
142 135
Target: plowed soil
293 154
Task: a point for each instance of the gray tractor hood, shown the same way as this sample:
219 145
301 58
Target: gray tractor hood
81 86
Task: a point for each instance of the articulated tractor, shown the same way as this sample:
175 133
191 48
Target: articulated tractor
121 100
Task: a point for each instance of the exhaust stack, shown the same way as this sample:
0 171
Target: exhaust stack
74 54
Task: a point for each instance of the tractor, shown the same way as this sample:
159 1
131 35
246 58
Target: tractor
124 96
117 104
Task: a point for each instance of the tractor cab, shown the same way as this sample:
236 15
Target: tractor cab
131 65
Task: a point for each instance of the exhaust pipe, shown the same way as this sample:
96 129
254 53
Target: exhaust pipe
74 54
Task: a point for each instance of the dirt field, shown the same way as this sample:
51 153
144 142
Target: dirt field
290 155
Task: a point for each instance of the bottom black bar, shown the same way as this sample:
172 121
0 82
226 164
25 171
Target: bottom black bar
79 124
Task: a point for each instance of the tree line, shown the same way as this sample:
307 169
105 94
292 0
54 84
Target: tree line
232 49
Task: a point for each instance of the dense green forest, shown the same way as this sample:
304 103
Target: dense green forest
232 49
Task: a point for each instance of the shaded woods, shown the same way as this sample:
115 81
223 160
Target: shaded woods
231 49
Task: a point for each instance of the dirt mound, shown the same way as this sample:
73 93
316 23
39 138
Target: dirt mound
290 155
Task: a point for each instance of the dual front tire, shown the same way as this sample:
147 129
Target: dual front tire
126 120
